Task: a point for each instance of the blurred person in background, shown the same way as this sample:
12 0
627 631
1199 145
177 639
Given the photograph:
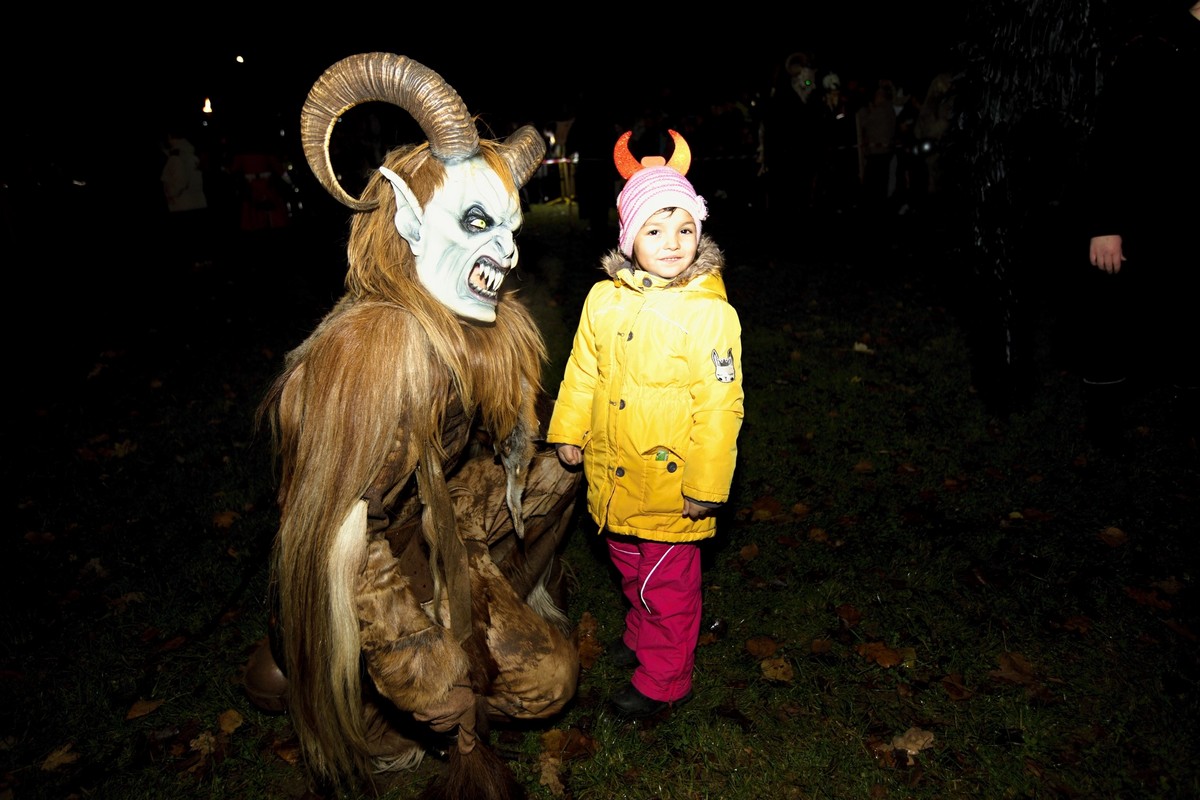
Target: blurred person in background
182 180
1141 206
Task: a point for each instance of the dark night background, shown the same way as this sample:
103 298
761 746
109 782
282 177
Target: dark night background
135 374
95 87
88 96
90 91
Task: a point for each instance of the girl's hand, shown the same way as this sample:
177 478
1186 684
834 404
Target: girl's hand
695 510
569 454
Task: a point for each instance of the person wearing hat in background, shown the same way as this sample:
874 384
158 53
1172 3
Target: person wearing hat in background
182 180
651 405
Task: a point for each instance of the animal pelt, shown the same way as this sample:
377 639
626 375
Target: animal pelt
387 378
478 775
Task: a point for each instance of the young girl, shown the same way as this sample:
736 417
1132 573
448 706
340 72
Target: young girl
651 405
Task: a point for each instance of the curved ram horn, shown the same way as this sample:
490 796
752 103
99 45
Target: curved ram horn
523 150
387 78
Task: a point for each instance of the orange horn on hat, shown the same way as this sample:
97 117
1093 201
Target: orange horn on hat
681 158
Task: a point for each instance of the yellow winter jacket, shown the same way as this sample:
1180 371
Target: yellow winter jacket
652 392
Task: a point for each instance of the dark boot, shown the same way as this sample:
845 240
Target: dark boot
1104 407
629 703
621 654
265 683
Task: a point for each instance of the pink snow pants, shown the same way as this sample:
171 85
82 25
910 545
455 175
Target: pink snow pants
662 584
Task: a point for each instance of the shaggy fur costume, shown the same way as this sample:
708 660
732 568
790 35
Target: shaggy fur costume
421 518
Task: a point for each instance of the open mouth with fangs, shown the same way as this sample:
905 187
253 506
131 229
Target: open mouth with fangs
485 279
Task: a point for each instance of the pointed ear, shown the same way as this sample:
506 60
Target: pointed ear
408 219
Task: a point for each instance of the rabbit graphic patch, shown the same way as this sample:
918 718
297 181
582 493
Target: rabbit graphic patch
724 365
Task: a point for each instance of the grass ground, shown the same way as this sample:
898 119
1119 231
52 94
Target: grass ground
912 596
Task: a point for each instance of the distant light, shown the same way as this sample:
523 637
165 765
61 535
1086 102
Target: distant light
239 59
207 105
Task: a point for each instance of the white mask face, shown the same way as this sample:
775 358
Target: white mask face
803 82
466 241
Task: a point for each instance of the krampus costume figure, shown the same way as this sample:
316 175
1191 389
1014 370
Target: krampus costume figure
421 512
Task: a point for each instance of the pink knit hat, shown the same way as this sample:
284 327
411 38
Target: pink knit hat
652 186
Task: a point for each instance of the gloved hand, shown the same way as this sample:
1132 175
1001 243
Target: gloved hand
457 710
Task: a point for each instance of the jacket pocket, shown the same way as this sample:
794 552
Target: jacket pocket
662 481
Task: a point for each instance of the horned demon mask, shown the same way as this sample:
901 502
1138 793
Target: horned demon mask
463 238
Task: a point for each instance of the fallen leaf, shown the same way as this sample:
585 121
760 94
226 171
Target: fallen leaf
559 746
880 653
912 742
550 773
586 641
174 643
570 744
1181 629
121 604
955 688
1113 537
204 750
749 552
1171 585
849 615
60 758
1014 668
288 750
766 508
141 708
229 721
882 752
761 646
1147 598
863 467
204 744
225 519
820 646
777 669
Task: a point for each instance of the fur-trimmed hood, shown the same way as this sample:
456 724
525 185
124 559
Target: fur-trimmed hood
709 259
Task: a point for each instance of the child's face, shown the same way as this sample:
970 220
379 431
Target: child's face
666 244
